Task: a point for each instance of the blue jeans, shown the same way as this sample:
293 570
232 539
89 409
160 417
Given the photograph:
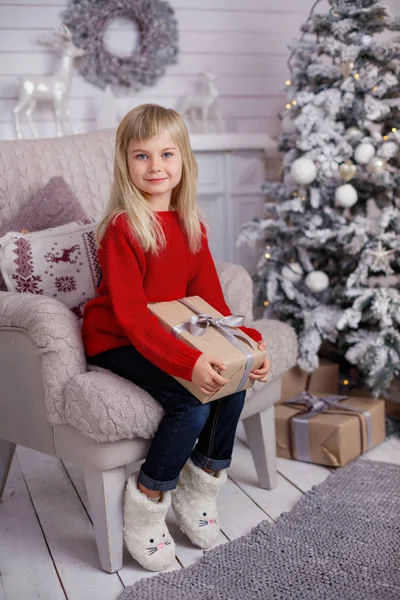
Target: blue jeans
185 420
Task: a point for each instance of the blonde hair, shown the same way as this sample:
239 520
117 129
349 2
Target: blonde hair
142 123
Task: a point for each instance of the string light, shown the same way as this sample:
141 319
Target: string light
346 382
294 102
266 303
357 76
267 255
268 247
303 198
288 106
374 88
394 129
385 137
288 82
295 194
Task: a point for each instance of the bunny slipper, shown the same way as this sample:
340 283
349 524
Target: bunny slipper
195 504
145 532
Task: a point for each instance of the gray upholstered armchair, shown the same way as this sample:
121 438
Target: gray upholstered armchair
50 401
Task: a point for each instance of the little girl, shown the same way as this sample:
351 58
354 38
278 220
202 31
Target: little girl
153 248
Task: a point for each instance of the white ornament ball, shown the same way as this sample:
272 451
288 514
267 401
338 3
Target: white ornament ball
376 165
388 150
363 153
366 40
293 272
303 171
317 281
346 195
354 132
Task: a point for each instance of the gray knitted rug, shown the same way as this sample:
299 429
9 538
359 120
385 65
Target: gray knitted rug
340 542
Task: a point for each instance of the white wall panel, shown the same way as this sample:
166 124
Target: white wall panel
244 43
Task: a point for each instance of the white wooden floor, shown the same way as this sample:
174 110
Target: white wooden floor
47 545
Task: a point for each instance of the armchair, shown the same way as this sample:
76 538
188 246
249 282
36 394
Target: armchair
51 401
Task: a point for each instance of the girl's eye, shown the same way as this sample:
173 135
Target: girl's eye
169 154
139 156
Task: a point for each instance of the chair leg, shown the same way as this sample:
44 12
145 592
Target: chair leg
105 490
7 450
260 433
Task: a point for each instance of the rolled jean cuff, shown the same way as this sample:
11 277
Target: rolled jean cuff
209 463
154 485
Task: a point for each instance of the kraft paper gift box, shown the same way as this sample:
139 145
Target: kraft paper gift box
209 339
325 378
336 435
392 402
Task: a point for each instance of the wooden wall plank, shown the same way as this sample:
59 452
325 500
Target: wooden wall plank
225 5
189 63
84 108
43 17
47 128
228 85
214 42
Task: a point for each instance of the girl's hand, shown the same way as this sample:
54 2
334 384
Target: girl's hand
261 374
205 377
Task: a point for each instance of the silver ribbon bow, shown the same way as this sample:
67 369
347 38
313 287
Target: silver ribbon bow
200 322
318 404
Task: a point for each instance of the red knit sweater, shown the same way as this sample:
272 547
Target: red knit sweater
131 278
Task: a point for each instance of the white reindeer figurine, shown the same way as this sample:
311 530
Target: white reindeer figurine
205 104
55 88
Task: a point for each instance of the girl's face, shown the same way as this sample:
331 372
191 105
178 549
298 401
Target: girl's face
155 168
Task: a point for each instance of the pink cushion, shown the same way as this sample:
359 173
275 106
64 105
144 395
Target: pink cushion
53 205
60 262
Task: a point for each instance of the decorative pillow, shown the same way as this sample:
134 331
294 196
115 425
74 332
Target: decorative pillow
60 262
53 205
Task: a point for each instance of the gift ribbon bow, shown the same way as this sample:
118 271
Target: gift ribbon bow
317 404
200 322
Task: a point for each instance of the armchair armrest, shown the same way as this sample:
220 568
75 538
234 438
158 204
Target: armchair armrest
282 346
237 287
55 335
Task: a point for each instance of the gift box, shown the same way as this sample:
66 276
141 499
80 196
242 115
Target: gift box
325 378
392 409
328 430
392 402
200 326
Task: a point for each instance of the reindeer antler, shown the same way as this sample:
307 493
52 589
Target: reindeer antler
66 33
56 37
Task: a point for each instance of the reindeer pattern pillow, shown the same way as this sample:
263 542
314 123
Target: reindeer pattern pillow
60 262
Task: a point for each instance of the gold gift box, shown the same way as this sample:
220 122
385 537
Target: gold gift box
212 342
335 436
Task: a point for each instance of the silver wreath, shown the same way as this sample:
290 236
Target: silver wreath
88 20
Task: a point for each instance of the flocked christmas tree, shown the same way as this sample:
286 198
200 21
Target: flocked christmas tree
331 264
